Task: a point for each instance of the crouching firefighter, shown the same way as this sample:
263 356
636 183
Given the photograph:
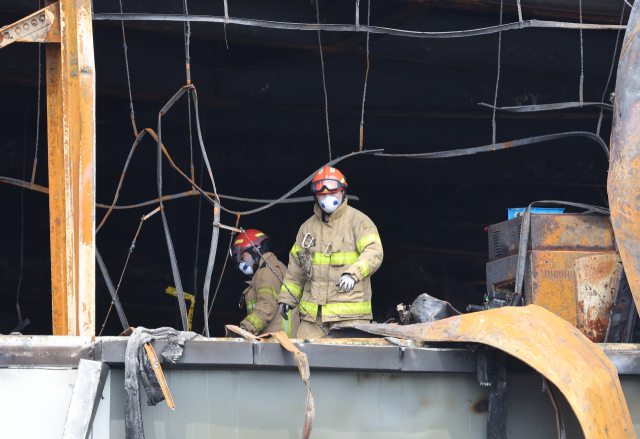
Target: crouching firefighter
331 263
260 297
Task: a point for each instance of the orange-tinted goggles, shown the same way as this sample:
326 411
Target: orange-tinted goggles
326 185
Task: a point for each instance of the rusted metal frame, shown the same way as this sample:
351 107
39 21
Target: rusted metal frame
157 370
78 122
42 26
114 299
551 346
60 271
167 233
212 257
524 240
562 434
547 107
358 28
504 145
624 194
71 139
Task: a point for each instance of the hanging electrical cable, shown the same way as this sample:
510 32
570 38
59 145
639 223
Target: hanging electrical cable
126 61
324 84
35 155
495 97
187 56
613 63
366 76
223 270
581 59
24 170
115 299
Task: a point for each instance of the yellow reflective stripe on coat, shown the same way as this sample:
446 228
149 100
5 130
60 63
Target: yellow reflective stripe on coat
268 291
295 289
364 268
295 249
251 304
346 308
311 308
286 325
335 258
366 241
256 321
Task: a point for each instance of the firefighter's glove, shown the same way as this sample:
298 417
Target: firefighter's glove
284 310
247 326
346 283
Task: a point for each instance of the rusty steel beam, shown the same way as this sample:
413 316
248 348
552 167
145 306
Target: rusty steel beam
551 346
57 218
624 169
42 26
71 135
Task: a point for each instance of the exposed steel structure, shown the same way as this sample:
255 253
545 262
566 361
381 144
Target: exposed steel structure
71 137
624 169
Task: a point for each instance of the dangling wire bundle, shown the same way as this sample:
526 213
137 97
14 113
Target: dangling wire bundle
613 63
126 61
366 76
581 59
114 299
324 85
35 156
495 97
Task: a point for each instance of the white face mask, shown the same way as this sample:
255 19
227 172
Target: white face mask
330 203
246 268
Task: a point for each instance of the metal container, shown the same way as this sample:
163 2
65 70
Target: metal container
572 268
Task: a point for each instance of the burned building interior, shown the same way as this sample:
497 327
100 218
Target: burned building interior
262 113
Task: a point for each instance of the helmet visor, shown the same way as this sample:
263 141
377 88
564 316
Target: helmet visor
326 185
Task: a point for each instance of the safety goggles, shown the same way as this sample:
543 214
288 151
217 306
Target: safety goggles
327 185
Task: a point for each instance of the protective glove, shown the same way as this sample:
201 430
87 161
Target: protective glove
284 310
247 326
346 283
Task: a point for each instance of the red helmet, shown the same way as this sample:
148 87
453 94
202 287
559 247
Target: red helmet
327 181
242 244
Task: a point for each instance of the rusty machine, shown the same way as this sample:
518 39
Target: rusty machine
572 269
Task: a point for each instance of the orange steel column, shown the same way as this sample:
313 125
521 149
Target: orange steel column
71 134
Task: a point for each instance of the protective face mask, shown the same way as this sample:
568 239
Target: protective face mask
246 268
330 203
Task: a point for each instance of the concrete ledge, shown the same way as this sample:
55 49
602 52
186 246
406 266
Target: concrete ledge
340 355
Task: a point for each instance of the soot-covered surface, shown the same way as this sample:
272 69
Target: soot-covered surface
262 111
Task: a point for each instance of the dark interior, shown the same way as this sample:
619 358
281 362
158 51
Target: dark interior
261 107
